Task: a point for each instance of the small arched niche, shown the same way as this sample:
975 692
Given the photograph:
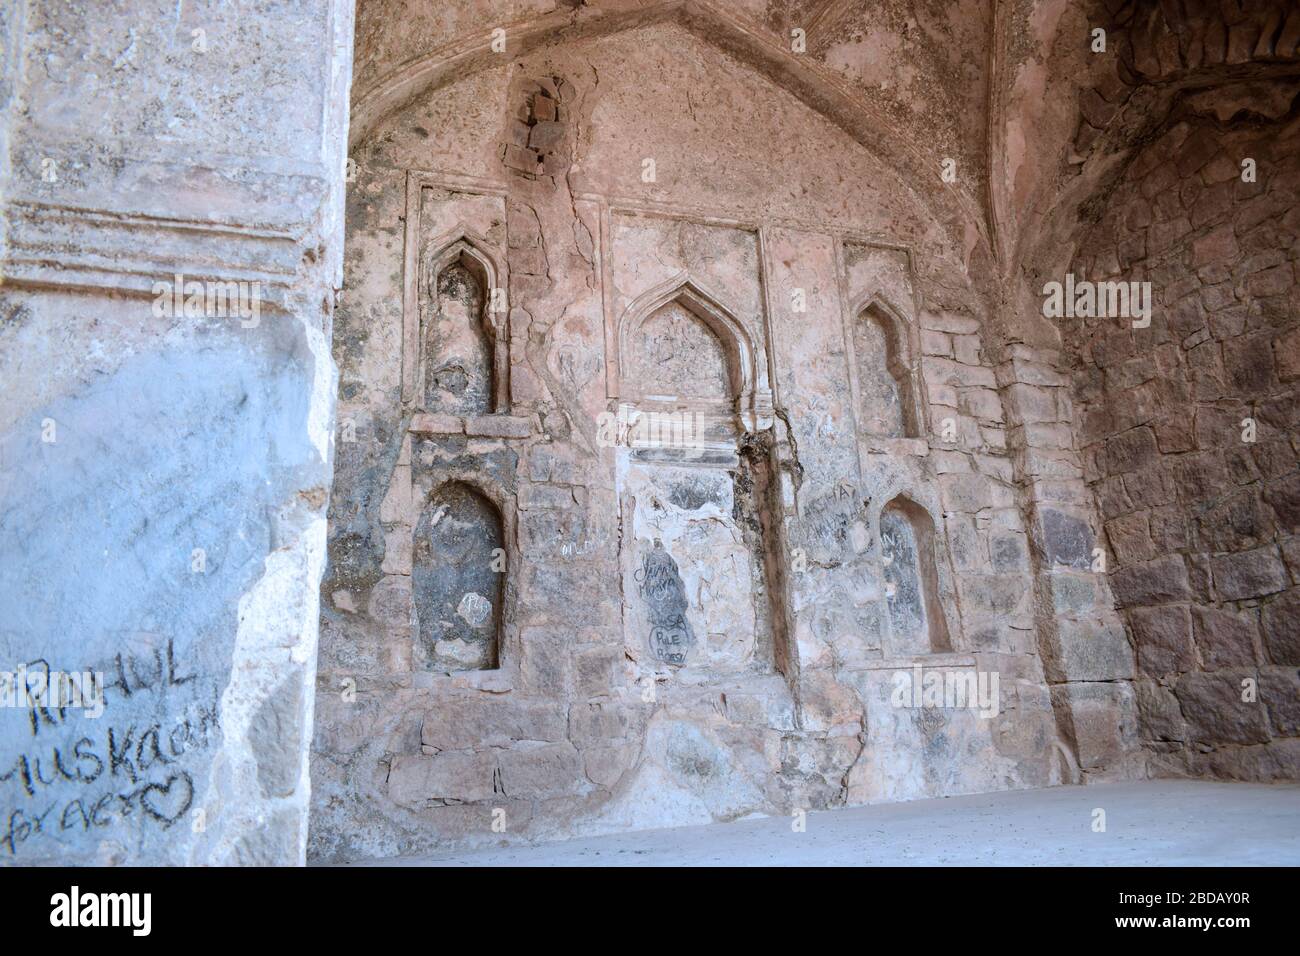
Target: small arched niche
460 366
907 546
885 405
458 579
676 342
677 354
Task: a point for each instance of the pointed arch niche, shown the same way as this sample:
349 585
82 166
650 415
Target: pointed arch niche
458 578
459 350
917 624
680 346
886 394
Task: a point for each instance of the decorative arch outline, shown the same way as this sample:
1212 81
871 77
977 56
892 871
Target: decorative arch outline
927 545
818 87
736 341
459 244
900 355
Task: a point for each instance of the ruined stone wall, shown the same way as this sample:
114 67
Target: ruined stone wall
684 409
165 458
681 633
1189 430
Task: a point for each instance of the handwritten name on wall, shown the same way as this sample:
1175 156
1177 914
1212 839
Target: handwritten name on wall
132 766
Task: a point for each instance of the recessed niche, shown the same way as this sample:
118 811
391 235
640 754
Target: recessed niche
885 407
702 583
455 348
916 621
676 354
458 576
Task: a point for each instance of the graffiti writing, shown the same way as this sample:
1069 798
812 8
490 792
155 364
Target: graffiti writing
133 766
661 587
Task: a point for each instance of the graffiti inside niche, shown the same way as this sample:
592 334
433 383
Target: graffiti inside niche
906 602
679 355
661 587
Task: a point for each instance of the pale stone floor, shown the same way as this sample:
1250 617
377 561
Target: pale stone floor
1150 823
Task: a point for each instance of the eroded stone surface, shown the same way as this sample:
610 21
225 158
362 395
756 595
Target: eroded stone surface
697 406
705 614
1193 466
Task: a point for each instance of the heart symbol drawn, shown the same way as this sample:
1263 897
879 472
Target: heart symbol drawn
158 799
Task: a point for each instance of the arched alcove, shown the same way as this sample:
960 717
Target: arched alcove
886 408
907 545
677 341
677 354
458 579
461 349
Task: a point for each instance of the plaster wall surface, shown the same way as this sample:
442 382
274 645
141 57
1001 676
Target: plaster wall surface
165 460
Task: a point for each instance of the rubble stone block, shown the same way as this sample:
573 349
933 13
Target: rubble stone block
545 135
490 720
1104 717
542 773
1130 539
1225 638
1161 581
1248 574
1280 626
1094 651
1215 711
1161 717
1163 636
1283 496
1279 689
416 780
520 158
1066 539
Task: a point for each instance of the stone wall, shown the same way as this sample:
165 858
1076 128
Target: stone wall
1188 429
688 632
694 392
165 459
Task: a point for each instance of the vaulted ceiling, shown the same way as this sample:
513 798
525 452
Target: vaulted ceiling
1013 91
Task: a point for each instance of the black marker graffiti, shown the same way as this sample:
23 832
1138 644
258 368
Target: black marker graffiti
664 593
79 774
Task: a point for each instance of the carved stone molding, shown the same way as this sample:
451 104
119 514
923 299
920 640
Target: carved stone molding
80 249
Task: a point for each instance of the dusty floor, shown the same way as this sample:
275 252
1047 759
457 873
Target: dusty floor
1152 823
